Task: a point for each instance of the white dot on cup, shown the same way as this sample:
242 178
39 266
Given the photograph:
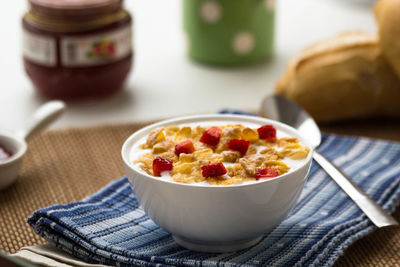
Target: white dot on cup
210 12
269 5
186 39
243 43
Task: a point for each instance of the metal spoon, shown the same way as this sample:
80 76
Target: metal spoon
281 109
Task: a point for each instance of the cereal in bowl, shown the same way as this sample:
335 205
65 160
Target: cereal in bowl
219 155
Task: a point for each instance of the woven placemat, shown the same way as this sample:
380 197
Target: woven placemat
67 165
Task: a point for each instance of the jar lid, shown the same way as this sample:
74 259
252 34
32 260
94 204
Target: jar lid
73 4
74 9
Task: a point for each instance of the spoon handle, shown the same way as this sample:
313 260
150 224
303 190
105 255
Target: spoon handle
42 118
374 212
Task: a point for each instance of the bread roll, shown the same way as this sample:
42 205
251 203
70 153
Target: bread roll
387 13
341 78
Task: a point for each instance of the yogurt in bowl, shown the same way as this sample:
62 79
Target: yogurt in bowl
208 209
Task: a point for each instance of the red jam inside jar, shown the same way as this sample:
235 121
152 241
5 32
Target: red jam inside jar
4 154
77 49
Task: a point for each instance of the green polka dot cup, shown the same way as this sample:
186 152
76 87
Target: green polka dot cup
229 32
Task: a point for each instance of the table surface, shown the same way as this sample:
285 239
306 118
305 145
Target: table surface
164 82
43 182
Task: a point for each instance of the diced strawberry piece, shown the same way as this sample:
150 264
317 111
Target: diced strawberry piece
186 147
268 172
239 145
211 136
213 170
267 132
160 165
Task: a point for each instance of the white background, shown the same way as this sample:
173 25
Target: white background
164 82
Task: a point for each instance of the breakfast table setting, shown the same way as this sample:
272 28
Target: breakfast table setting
82 131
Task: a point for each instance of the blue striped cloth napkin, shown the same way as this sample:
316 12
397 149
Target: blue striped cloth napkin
110 228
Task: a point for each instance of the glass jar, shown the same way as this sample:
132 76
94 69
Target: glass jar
77 49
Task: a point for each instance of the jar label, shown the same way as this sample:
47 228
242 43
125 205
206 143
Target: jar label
39 48
96 49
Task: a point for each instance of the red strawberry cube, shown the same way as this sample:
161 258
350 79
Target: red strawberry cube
161 165
239 145
267 132
186 147
213 170
268 172
211 136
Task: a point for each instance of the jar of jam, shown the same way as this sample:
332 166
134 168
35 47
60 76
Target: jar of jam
77 49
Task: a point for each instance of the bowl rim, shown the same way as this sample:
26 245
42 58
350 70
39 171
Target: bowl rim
127 145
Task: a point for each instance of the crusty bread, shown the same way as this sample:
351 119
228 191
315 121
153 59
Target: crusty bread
387 13
344 77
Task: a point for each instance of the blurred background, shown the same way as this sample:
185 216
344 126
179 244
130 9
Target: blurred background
164 81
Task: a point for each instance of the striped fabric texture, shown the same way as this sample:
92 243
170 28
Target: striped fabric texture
110 228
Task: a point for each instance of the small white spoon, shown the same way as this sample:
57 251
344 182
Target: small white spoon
15 143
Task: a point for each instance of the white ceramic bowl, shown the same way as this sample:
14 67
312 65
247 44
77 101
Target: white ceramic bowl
216 218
